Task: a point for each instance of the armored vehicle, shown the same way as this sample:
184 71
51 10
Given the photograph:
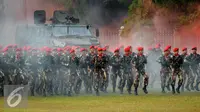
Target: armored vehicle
64 30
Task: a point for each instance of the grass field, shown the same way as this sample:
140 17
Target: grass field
153 102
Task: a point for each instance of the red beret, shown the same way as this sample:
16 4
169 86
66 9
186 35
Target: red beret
140 48
72 51
127 49
194 48
48 49
91 47
166 49
116 50
100 49
176 49
5 49
169 47
184 49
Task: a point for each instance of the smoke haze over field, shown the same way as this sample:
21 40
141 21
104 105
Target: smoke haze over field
21 12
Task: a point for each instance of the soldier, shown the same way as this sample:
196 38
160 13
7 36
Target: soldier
58 77
73 68
186 71
19 62
84 69
32 63
48 65
177 62
165 61
194 60
90 63
99 70
127 75
116 61
107 69
140 61
169 47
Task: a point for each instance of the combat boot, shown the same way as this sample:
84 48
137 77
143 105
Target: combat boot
163 90
178 89
145 89
136 91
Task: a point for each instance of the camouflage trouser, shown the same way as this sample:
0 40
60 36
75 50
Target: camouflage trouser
72 81
165 78
127 78
85 79
137 78
42 83
175 73
99 79
115 72
105 84
49 83
90 80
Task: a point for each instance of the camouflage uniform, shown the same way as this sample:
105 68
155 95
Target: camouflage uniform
58 76
127 75
32 64
74 75
187 74
105 85
177 62
48 65
90 63
116 63
140 61
165 62
84 72
99 72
